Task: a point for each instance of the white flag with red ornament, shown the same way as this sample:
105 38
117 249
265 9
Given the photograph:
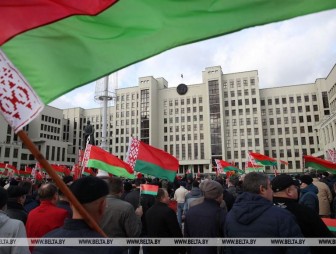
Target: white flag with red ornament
219 167
19 104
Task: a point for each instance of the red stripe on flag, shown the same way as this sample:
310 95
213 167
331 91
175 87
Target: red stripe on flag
21 15
149 187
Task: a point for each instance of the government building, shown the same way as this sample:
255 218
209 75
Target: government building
224 117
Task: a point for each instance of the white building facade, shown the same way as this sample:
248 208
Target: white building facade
223 117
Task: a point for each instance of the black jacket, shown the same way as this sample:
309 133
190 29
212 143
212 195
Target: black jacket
16 211
161 221
308 220
75 229
205 220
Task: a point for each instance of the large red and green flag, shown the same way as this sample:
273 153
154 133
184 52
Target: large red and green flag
103 160
319 164
263 159
227 166
149 189
151 160
77 42
253 167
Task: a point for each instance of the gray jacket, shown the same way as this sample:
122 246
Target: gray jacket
11 228
119 219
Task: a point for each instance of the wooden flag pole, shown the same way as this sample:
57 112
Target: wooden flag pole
59 182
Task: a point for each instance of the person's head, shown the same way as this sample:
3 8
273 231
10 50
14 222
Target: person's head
195 184
233 180
16 194
305 181
27 186
284 186
162 196
3 198
91 192
212 190
116 186
48 191
127 186
68 180
88 122
139 181
258 183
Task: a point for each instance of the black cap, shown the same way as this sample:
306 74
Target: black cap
282 182
88 189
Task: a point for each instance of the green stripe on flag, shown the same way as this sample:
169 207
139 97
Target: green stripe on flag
154 170
80 49
319 167
117 171
154 193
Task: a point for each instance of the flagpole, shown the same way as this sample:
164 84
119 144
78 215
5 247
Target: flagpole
59 182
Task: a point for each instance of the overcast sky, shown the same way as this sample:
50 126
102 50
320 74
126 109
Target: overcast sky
296 51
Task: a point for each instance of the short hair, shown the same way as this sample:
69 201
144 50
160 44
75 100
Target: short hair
161 193
195 184
3 197
47 191
115 185
253 180
27 186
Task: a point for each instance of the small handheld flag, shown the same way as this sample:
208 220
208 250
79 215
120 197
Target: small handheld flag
149 189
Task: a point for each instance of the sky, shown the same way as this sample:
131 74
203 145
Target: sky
291 52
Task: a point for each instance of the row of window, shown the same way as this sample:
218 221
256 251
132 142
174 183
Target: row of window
278 120
127 97
182 110
183 119
238 82
181 102
51 119
183 137
291 99
285 110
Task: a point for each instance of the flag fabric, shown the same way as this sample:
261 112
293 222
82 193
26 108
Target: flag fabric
227 166
284 162
103 160
55 41
263 159
2 167
219 168
331 155
330 223
253 167
319 164
151 160
88 172
19 104
149 189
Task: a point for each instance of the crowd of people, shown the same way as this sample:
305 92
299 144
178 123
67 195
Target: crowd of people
246 206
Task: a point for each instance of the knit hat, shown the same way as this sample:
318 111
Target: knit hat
211 189
282 182
307 179
89 189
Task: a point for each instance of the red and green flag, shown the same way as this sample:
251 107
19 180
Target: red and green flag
227 166
319 164
149 189
103 160
151 160
77 42
2 167
263 159
253 167
330 223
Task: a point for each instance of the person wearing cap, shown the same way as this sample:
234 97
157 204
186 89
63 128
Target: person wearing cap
254 215
91 192
308 196
207 218
10 228
63 201
16 199
285 195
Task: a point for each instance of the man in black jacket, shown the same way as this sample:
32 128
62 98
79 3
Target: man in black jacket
91 192
162 222
285 195
16 199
